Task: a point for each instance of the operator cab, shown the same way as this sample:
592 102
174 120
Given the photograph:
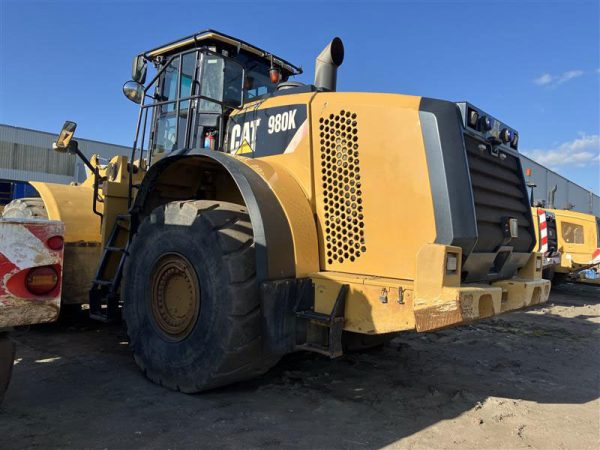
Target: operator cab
199 80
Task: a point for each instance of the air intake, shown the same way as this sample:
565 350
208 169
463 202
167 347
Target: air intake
342 195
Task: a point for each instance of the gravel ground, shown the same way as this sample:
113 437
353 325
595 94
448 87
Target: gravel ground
524 380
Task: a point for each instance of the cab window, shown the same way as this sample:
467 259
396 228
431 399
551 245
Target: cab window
572 233
257 81
168 134
168 88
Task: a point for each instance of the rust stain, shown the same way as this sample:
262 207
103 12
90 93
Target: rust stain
15 311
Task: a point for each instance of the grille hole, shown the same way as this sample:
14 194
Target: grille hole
341 176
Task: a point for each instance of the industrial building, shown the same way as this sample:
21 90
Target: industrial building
27 155
555 191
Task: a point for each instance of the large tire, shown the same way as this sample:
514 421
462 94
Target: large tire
26 208
182 248
7 358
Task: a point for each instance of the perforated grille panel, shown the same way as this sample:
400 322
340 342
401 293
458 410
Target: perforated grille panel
342 195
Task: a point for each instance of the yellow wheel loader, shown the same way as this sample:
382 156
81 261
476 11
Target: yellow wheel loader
571 245
263 216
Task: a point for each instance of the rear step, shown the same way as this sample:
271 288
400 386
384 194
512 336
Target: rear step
334 323
104 294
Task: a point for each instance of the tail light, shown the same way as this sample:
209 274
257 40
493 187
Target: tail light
55 243
41 280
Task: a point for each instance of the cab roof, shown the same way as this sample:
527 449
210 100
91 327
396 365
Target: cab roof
208 37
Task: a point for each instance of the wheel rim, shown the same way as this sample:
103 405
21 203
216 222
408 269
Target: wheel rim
175 299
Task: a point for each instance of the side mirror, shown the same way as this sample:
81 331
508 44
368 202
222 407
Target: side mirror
134 91
63 143
139 69
66 144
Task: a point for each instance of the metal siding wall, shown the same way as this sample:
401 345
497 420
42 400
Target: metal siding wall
21 175
27 155
567 192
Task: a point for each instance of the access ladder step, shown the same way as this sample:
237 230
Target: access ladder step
316 316
319 349
116 249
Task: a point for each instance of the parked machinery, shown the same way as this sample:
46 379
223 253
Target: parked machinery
264 216
572 244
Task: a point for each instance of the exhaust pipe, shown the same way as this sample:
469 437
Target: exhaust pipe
327 64
551 195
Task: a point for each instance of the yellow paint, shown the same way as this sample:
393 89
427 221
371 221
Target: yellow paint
244 148
574 256
297 210
72 205
392 165
400 282
374 305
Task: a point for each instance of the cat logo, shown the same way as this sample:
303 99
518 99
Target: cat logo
267 131
243 137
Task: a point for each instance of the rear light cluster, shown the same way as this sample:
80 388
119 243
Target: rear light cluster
55 243
492 129
41 280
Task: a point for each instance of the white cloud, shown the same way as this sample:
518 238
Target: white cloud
579 152
544 79
550 80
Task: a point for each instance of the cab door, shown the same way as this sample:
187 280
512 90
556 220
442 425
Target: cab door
173 107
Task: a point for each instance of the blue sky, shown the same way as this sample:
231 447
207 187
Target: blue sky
533 64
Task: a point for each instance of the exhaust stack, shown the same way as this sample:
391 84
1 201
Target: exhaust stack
551 195
327 64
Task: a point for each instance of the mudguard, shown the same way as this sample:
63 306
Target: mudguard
272 234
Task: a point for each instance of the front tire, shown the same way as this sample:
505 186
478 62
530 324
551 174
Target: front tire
191 298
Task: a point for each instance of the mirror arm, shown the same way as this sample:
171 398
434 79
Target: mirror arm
96 188
74 148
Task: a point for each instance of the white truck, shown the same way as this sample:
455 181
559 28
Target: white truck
31 261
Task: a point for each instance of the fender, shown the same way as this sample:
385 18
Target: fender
185 176
73 206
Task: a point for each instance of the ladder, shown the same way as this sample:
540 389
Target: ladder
333 323
104 293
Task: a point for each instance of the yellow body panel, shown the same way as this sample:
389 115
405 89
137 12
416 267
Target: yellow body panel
577 236
297 210
73 206
374 305
395 273
393 180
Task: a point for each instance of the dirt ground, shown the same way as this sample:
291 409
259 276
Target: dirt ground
524 380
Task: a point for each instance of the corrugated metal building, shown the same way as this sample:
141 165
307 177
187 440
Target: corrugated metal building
568 195
27 155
